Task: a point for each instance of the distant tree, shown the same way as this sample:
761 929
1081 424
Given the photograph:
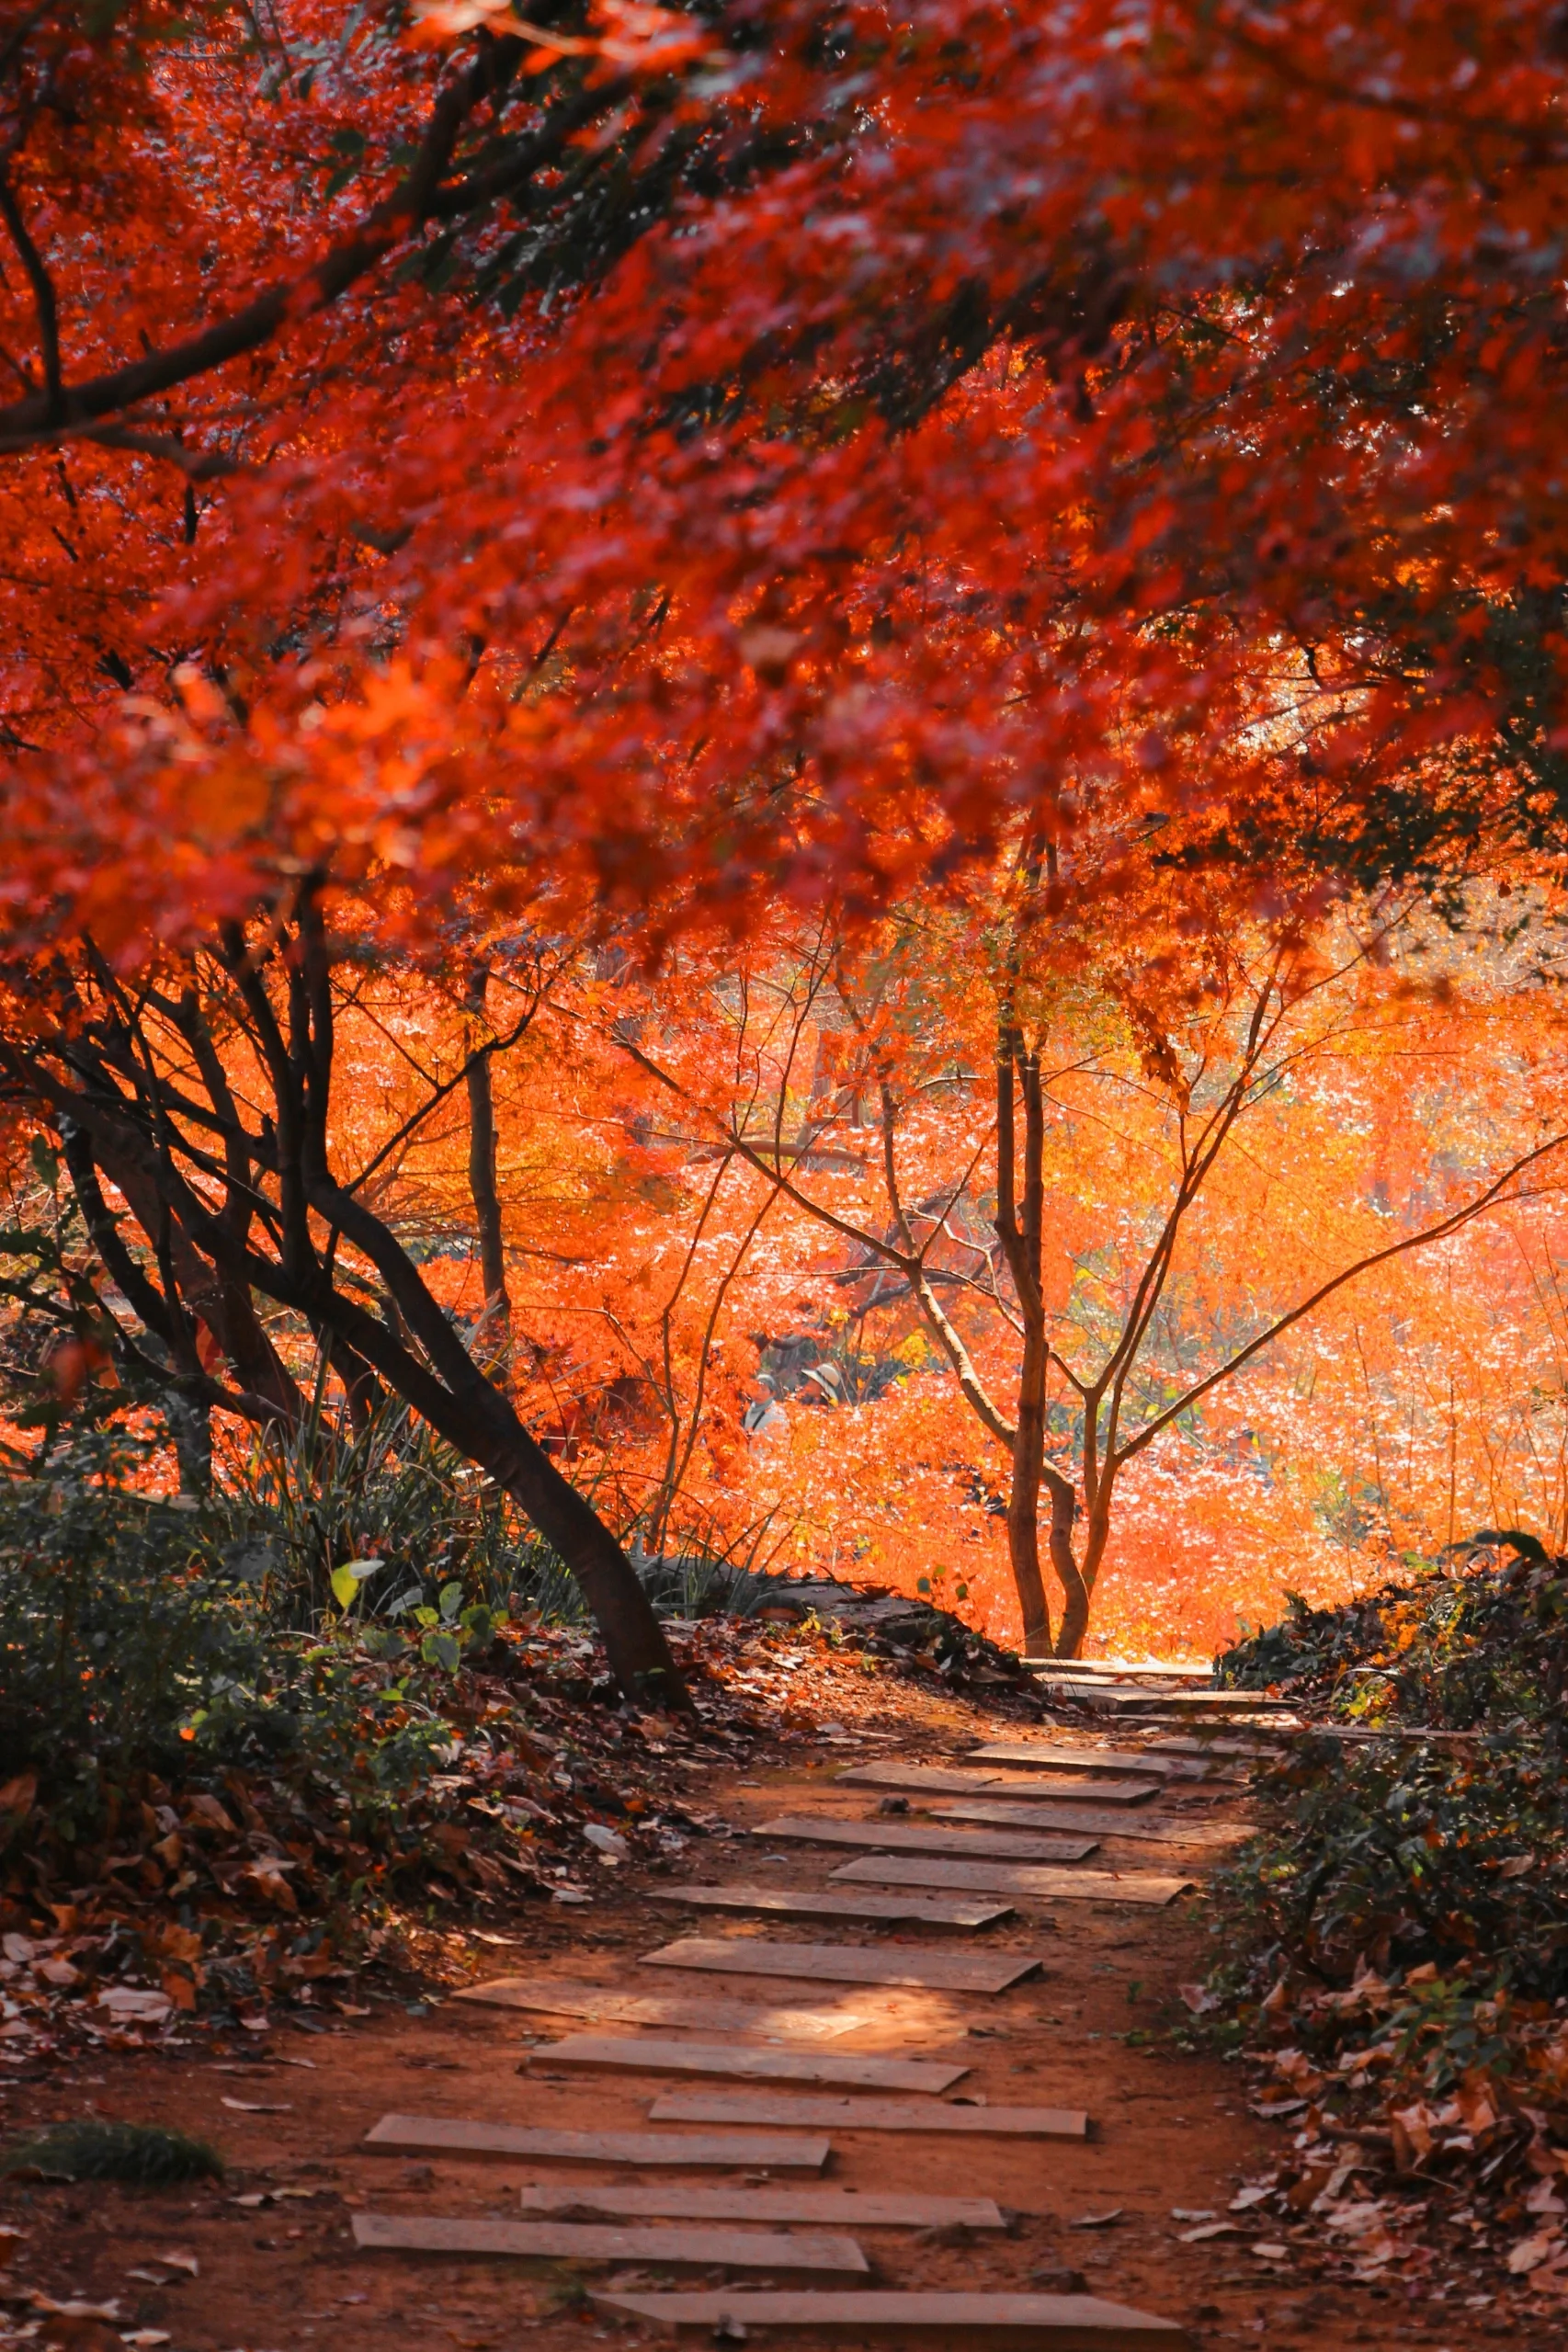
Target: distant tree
965 1190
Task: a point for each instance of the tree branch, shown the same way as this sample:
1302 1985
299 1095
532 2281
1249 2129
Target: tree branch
43 301
417 197
1440 1232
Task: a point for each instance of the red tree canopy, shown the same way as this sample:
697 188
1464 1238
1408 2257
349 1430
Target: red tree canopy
754 444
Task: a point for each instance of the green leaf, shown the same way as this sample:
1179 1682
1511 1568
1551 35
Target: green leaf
442 1650
452 1601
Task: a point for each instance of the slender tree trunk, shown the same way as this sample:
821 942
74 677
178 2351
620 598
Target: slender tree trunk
1074 1586
191 1425
1023 1496
482 1183
486 1198
1020 1236
223 1303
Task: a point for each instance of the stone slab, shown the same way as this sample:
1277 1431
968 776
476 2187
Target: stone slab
456 2135
871 2115
1001 2322
1035 1755
852 1963
1016 1877
1218 1705
627 2055
1260 1744
1124 1670
561 1998
871 2209
901 1838
1079 1789
1164 1829
940 1780
816 2255
937 1780
823 1903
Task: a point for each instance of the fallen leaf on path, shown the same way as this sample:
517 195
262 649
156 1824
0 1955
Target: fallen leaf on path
1528 2253
1194 2213
258 2107
131 2001
1097 2221
1210 2230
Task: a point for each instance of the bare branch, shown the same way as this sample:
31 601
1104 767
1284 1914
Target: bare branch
1438 1233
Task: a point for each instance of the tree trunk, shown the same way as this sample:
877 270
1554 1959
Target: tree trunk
1075 1611
485 1426
224 1302
191 1425
1023 1500
425 1362
1020 1239
487 1203
1078 1577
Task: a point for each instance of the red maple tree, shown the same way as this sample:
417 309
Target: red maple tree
653 457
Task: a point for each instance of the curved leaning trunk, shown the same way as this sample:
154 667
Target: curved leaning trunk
635 1648
472 1415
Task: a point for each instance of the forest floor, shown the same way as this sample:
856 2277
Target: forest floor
264 2260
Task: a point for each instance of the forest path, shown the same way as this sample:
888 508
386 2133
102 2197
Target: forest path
1170 2134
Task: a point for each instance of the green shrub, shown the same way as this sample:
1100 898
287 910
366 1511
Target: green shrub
116 1619
1401 1854
1452 1649
1396 1935
149 2155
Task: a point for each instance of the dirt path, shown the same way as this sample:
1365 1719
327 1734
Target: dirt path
277 2266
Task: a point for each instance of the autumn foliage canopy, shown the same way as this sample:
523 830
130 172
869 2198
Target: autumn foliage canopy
667 512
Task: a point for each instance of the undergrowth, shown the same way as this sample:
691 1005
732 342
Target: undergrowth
1397 1934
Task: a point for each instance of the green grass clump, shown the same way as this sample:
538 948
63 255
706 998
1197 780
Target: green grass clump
148 2154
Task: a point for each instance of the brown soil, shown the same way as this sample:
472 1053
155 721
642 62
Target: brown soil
1168 2131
